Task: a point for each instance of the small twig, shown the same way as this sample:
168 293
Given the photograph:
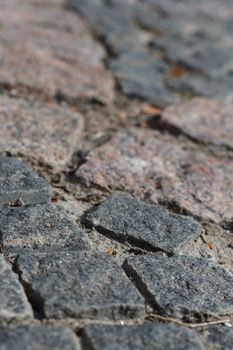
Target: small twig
190 325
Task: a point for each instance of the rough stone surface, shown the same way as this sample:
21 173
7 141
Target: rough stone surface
38 337
162 170
18 181
183 287
215 244
219 337
61 111
39 228
42 133
13 301
159 48
79 285
140 75
205 121
50 51
137 72
147 336
149 227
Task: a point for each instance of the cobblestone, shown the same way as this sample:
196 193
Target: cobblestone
165 336
157 168
50 51
128 219
219 337
39 228
125 107
19 182
183 287
148 38
13 301
42 133
38 337
205 121
79 285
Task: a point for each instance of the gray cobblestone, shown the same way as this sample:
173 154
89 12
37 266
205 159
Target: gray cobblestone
147 336
38 337
219 337
189 35
183 287
39 228
13 301
78 94
80 285
128 219
18 181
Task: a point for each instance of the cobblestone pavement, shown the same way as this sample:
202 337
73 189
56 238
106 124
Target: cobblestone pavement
116 164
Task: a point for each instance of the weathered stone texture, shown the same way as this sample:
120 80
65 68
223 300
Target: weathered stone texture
80 285
183 287
214 244
46 49
128 219
147 336
18 181
39 228
38 337
42 133
13 301
160 48
205 121
219 337
155 167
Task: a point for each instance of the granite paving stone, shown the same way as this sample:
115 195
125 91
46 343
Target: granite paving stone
141 75
148 336
39 228
42 133
130 220
51 52
156 167
138 74
79 285
183 287
193 86
19 182
203 120
38 337
125 106
13 301
219 337
195 36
